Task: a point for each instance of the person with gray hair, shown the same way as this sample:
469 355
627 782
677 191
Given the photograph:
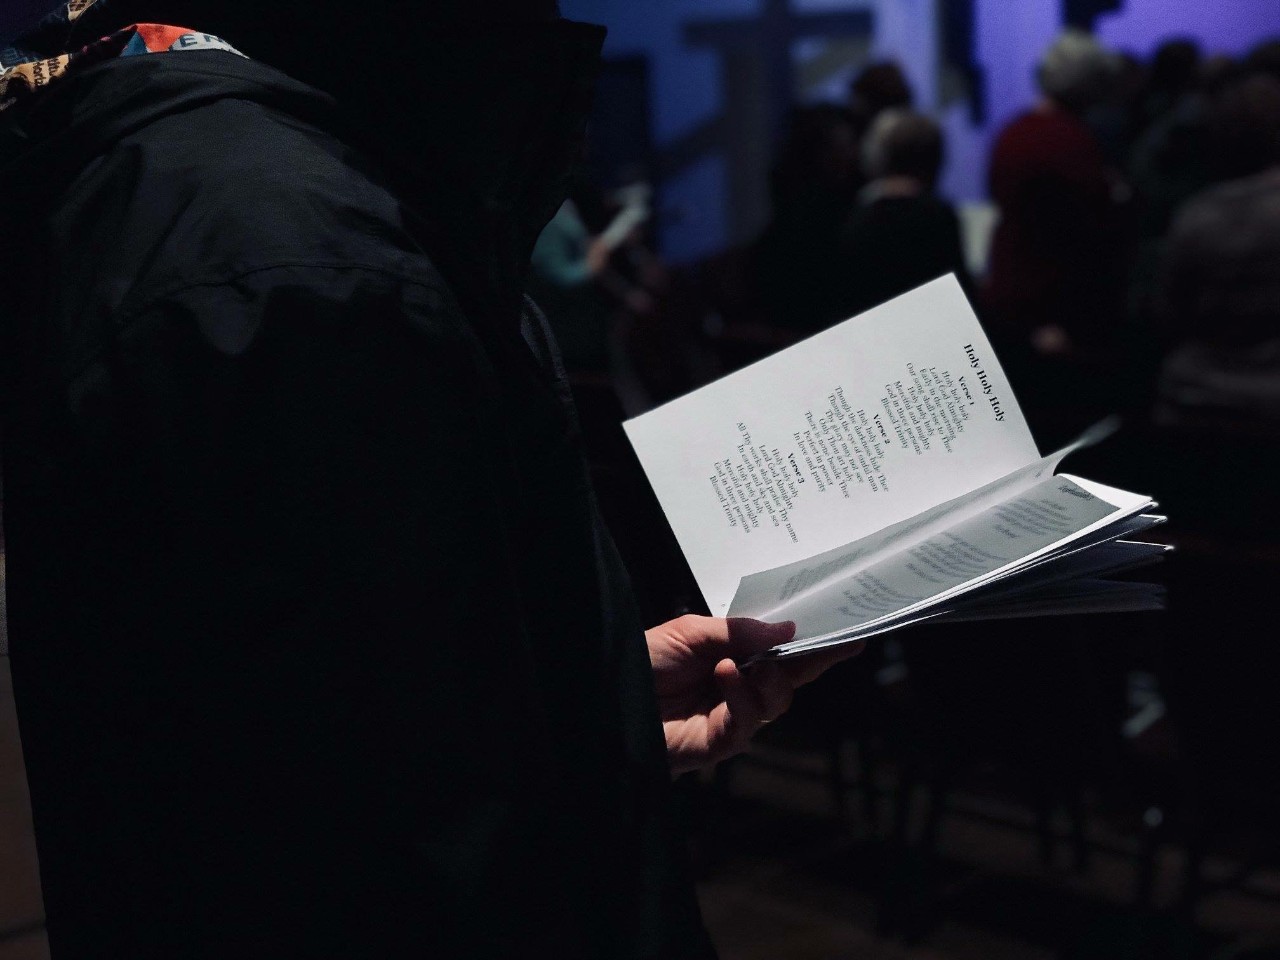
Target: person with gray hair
904 144
1054 289
1219 283
1076 70
900 234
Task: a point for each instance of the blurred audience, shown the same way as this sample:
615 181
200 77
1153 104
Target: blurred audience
814 185
1171 158
800 264
1264 58
1056 256
1054 294
1119 276
1135 267
1220 277
1113 118
589 282
881 86
1174 74
567 261
900 234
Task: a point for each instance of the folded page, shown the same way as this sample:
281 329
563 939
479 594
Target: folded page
1089 596
975 551
1105 559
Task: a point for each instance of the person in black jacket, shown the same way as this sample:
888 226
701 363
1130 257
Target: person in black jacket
319 646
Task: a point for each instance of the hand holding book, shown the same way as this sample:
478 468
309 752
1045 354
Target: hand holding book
879 474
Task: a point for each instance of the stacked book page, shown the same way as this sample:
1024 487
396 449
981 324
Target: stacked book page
880 474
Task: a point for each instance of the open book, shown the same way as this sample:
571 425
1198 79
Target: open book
880 474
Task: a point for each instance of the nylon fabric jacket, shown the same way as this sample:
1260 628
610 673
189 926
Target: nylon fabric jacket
319 645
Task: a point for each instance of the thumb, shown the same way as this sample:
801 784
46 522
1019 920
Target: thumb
748 637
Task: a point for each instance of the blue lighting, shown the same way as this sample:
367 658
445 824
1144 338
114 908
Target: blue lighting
692 80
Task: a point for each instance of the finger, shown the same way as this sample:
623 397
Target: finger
733 722
748 637
773 688
806 669
705 635
739 637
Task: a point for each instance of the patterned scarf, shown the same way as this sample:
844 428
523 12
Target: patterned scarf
26 78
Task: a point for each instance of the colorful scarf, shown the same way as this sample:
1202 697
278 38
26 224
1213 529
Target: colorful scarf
27 78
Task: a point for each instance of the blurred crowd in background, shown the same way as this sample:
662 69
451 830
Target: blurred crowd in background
1132 267
1110 254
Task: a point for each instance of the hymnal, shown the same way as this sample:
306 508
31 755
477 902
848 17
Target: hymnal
879 474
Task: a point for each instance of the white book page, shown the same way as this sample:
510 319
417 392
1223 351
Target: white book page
862 426
976 551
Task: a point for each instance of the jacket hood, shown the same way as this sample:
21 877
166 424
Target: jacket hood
19 16
479 128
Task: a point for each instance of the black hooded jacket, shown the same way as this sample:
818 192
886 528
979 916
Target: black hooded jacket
319 646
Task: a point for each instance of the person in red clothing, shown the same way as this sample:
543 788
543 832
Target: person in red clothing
1055 245
1054 286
